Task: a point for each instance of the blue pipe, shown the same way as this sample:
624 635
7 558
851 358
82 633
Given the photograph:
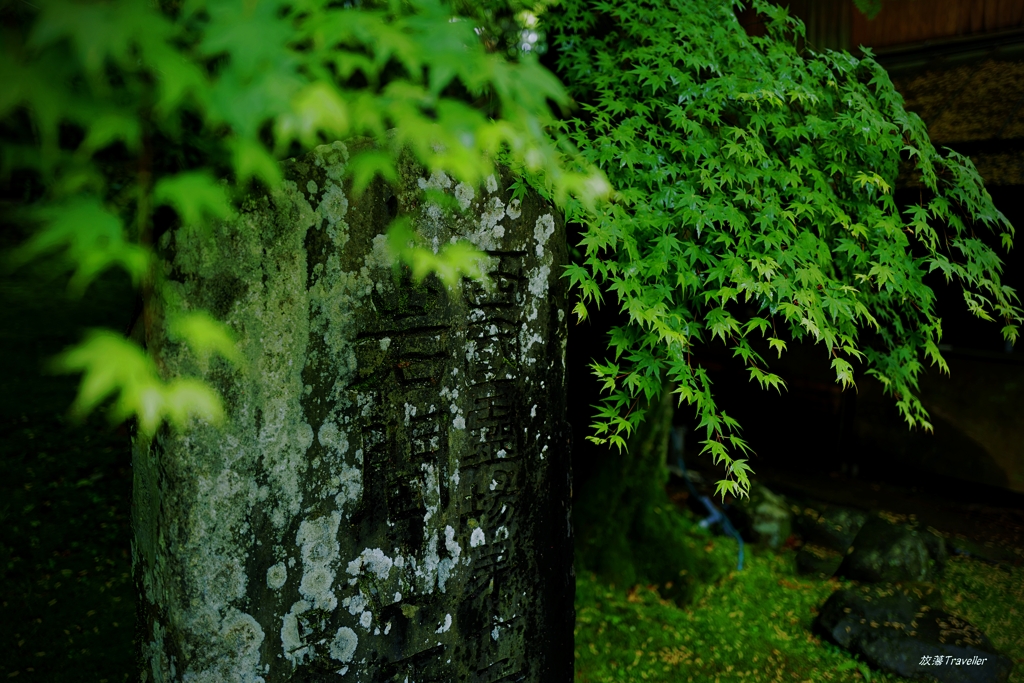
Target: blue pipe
715 516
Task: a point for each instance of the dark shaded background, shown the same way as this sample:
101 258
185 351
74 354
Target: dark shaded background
67 605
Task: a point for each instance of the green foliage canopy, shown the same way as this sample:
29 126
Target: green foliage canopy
751 175
748 173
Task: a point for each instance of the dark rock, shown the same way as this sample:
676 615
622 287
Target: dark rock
817 560
904 629
938 550
830 526
883 551
891 605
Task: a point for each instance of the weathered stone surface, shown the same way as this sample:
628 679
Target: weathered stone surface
883 551
903 629
389 497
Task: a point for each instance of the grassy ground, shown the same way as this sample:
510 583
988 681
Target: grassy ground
755 625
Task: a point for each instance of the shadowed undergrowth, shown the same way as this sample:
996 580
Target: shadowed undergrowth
67 607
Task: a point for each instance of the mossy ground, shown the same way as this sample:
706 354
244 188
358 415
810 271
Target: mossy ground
754 625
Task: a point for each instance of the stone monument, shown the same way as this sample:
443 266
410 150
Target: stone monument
389 496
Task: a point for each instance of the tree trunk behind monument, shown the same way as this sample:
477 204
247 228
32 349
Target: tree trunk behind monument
628 531
388 499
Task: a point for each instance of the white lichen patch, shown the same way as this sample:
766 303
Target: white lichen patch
365 403
527 339
343 647
477 538
430 489
228 580
333 439
491 184
304 434
445 565
514 209
438 180
444 571
244 634
354 603
538 277
464 194
450 544
332 158
372 560
318 540
443 628
349 484
434 570
277 575
427 571
489 231
316 585
293 645
238 631
539 281
379 256
542 231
